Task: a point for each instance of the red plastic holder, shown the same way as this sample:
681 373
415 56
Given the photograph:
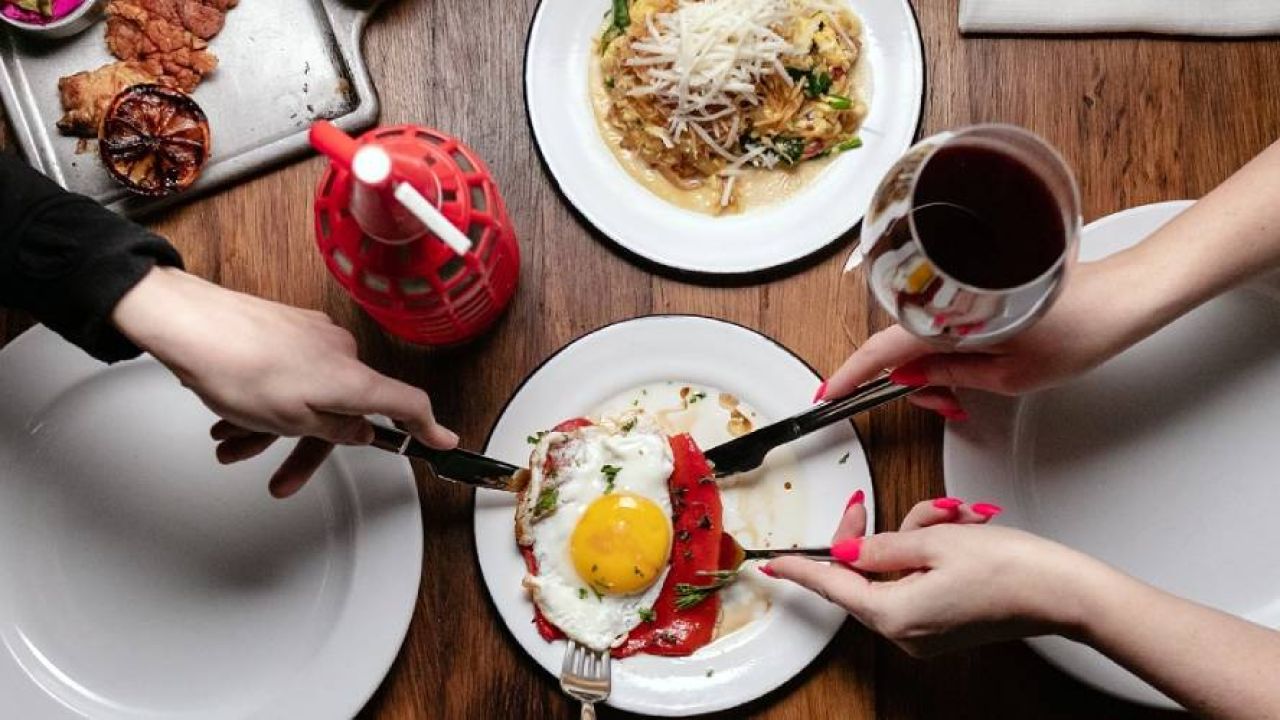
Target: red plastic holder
415 285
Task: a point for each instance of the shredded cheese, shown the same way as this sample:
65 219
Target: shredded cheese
706 60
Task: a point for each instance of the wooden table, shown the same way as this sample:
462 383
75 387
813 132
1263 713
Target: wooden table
1140 119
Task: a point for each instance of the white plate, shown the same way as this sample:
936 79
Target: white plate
564 127
597 367
1160 462
139 579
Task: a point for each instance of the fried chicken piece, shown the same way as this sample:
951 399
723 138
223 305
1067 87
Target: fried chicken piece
135 31
183 69
159 41
86 95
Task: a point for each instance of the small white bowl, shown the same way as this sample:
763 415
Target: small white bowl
78 20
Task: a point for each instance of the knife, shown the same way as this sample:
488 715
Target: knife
748 452
460 466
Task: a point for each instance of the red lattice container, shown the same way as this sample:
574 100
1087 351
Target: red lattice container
418 286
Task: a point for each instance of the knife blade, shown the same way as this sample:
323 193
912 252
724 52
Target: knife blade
748 452
460 466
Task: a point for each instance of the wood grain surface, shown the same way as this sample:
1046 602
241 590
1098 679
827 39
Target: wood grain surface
1141 119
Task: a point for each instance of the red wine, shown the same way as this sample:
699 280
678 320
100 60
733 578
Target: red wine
1000 226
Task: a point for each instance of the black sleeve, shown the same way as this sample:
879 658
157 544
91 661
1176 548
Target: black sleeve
67 260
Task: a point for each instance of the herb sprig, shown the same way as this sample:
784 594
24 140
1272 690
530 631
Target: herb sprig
688 594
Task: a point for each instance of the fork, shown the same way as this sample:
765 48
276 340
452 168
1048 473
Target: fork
585 677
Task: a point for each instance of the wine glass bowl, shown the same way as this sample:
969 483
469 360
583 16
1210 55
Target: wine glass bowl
971 234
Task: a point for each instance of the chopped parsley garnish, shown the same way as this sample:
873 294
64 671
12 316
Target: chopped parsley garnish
844 458
688 595
608 82
790 149
696 397
629 425
582 593
852 143
546 504
710 672
536 438
646 614
610 473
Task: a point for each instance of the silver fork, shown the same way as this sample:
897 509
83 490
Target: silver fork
585 677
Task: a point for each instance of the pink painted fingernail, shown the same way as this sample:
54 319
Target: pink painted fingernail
908 377
847 551
987 510
821 394
768 571
857 499
948 503
954 414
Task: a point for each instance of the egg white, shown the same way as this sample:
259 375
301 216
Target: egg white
643 454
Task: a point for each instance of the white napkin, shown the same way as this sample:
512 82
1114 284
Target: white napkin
1188 17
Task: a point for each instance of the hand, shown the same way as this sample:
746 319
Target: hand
964 584
1094 319
268 370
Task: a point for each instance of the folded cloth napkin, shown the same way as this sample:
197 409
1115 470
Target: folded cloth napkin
1183 17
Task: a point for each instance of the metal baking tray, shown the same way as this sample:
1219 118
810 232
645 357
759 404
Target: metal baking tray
282 64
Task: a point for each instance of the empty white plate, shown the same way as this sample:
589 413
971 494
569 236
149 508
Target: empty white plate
140 579
1160 462
564 127
829 466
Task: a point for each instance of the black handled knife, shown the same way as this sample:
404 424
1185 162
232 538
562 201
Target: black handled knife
747 452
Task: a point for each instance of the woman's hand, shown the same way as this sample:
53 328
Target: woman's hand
268 370
1092 320
964 584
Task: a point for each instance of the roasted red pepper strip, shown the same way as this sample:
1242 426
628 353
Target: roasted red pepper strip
548 631
698 525
571 425
549 465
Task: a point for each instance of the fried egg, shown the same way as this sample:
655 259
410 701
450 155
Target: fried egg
597 516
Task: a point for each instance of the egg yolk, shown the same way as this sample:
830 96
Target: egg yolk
621 544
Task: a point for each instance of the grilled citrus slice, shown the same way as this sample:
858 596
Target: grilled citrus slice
154 140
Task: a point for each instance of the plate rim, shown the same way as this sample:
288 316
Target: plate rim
524 654
327 661
779 268
1046 650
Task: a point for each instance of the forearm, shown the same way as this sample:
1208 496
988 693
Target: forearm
68 260
1214 664
1229 237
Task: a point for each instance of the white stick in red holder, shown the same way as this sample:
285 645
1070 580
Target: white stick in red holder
385 206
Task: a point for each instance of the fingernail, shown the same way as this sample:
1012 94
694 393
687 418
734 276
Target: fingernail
847 551
908 376
987 510
767 571
954 414
857 499
822 392
948 503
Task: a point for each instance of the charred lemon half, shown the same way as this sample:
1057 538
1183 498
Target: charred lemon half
154 140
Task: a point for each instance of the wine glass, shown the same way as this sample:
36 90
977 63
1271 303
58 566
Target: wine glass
971 234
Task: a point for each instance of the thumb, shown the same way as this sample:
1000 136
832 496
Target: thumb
882 351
